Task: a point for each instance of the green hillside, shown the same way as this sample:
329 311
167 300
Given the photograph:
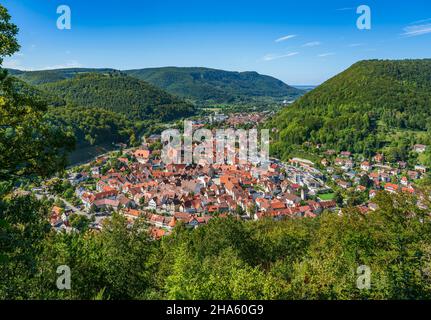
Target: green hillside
358 109
92 126
47 76
40 95
117 92
201 85
102 109
216 86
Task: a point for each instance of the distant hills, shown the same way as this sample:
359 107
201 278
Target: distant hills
208 86
202 86
358 109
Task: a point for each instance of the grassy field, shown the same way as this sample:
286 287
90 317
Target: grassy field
326 196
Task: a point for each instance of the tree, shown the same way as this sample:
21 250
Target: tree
142 202
338 198
239 210
8 31
29 148
79 222
365 181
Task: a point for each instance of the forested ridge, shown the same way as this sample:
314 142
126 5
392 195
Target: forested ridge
47 76
203 86
357 109
207 86
101 108
117 92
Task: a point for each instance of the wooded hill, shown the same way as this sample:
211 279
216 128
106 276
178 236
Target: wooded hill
207 86
117 92
200 85
357 109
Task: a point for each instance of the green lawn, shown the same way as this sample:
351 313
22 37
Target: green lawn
326 196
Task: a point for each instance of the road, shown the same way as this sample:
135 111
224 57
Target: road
68 204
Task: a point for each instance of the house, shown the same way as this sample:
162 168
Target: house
409 189
157 233
365 166
419 148
348 165
328 205
131 213
413 175
153 138
345 154
360 188
157 220
392 188
384 177
404 181
339 162
152 204
107 204
363 209
277 205
77 178
291 199
142 155
421 169
56 216
378 158
344 184
402 164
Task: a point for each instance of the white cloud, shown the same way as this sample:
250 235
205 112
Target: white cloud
270 57
290 36
417 30
326 54
312 44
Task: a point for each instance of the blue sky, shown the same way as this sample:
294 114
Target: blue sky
299 42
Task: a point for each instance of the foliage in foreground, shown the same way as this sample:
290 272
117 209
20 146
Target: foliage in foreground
227 259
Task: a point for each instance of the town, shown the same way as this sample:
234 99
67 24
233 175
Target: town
137 184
